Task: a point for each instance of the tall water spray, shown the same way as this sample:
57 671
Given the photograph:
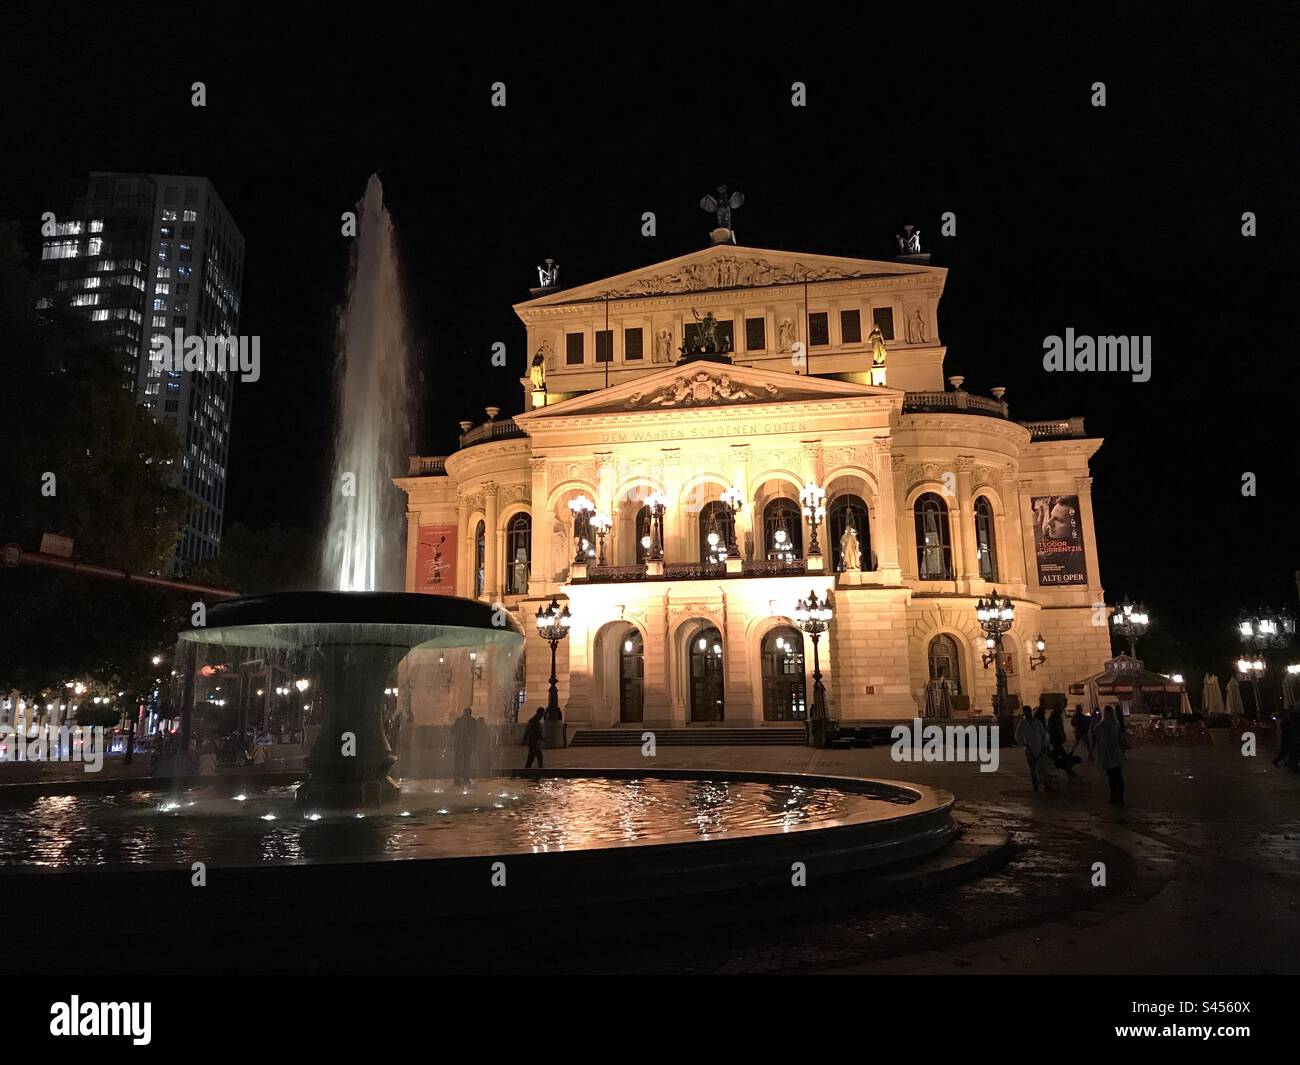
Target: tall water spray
373 427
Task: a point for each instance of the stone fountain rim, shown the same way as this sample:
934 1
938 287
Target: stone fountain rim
358 608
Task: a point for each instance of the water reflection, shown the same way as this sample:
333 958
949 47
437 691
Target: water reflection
433 819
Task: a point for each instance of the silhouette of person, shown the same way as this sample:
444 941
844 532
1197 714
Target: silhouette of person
533 738
464 737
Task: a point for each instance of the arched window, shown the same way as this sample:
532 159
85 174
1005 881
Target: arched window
782 516
933 542
985 547
944 663
715 519
480 557
519 553
785 690
846 510
642 534
631 676
705 679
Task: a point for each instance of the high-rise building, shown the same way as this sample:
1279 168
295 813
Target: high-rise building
142 256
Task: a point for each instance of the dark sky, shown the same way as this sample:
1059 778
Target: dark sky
1117 220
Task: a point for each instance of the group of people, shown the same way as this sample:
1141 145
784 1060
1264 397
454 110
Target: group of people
1101 734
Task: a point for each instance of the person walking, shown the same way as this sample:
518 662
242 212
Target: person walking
1111 744
1032 736
533 738
1080 722
1061 758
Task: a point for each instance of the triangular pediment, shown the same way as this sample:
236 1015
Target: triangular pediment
729 266
704 384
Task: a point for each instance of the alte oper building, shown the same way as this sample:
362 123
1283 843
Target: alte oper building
659 490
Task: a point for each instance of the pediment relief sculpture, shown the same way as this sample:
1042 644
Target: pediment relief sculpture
699 389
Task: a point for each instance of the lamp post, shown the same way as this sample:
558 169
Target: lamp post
814 617
1130 621
553 626
995 618
813 499
735 500
657 502
1264 631
601 522
1252 669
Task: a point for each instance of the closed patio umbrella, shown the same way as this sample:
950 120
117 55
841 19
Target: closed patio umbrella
1234 704
1211 695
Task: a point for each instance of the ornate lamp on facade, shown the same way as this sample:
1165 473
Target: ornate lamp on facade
996 617
735 500
601 522
1130 621
814 617
553 626
1040 645
813 499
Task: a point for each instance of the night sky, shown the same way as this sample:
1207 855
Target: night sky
1117 220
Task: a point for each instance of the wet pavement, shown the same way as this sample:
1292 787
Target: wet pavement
1201 873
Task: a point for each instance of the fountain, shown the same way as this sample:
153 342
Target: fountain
373 433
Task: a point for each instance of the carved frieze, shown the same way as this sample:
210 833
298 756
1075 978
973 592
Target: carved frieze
701 388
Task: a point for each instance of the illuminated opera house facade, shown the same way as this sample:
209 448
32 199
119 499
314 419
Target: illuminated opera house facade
659 492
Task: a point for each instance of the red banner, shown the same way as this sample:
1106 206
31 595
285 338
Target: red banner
435 560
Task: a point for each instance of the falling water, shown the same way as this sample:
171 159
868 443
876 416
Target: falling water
374 421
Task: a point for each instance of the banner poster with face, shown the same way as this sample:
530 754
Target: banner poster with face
1058 541
435 560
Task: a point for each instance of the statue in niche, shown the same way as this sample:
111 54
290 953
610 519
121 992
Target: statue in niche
548 275
785 334
664 346
916 328
707 339
877 341
560 549
537 372
850 551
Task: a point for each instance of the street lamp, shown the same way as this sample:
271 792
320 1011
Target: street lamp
1265 631
553 626
582 508
995 618
813 499
1130 621
1252 669
814 617
658 503
735 500
601 522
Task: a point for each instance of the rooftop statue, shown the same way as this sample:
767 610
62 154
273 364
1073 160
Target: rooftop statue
722 205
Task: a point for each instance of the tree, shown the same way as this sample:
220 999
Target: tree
85 461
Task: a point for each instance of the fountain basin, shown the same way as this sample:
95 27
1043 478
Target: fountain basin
345 647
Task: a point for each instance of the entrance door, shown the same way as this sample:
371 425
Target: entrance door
631 677
706 676
785 694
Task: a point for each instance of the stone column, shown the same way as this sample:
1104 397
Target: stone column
1011 536
1025 488
745 518
544 562
962 526
491 568
464 549
1083 485
886 542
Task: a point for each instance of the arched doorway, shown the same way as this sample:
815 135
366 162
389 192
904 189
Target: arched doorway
849 510
944 662
705 675
785 689
716 521
783 530
631 677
